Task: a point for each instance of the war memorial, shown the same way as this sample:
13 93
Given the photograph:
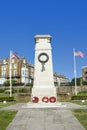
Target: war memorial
44 112
43 89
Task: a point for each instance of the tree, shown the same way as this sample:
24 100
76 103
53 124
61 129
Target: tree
78 81
7 83
84 83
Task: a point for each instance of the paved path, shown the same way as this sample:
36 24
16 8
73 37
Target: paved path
44 118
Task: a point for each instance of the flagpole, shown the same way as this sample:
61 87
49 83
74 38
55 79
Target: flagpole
10 74
75 72
25 75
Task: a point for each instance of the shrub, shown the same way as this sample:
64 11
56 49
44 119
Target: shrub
6 98
79 97
6 83
2 90
24 94
14 83
83 92
23 90
8 91
14 90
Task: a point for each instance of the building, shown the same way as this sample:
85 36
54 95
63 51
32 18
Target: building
60 80
84 73
20 70
31 73
23 72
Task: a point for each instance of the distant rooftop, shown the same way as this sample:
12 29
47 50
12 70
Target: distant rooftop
84 67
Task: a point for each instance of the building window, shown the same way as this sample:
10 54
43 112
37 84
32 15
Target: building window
3 74
12 61
15 66
31 75
86 72
4 61
15 72
26 72
3 67
23 72
83 79
32 69
24 61
23 66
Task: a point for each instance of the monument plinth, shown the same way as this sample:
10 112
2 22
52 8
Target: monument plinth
43 88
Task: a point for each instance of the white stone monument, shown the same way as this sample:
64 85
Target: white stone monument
43 88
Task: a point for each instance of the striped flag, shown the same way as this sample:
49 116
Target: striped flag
79 53
11 56
14 55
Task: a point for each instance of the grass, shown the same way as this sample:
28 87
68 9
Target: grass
6 104
3 94
81 115
79 102
5 118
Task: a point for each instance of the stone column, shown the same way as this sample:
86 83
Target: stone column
43 69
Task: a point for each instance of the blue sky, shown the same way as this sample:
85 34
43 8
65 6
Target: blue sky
64 20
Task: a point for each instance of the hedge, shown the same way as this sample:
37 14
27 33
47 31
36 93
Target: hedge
83 92
23 90
24 94
79 97
5 98
2 90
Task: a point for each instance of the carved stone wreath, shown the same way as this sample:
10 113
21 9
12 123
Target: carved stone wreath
42 61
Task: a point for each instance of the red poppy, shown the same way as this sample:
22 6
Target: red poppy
35 99
45 99
52 99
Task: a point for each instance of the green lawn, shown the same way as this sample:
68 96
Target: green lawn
5 118
3 94
79 102
81 115
6 104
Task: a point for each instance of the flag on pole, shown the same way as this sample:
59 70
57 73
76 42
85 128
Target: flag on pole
79 53
14 55
10 74
11 56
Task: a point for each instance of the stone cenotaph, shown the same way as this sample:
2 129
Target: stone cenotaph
43 88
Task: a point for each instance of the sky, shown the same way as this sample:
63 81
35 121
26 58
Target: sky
64 20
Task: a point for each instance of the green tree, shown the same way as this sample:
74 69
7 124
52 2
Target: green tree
78 81
84 83
7 83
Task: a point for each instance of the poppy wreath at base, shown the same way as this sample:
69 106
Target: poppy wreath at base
52 99
45 99
35 99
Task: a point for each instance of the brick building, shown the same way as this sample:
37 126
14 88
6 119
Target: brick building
21 70
84 73
60 80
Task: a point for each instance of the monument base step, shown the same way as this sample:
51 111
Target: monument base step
44 105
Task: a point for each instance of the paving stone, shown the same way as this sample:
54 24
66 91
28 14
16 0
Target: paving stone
45 119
